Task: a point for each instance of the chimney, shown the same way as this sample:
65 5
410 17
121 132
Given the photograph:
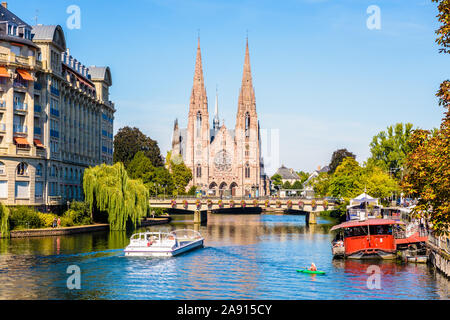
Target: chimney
5 4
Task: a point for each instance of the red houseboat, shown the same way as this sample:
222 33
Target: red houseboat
366 235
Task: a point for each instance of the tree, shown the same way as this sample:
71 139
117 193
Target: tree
378 183
109 189
181 174
427 165
129 141
297 185
192 191
303 176
287 185
346 181
277 180
337 158
4 220
389 148
321 184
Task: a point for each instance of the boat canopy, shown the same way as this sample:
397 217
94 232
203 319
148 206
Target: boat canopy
369 222
364 197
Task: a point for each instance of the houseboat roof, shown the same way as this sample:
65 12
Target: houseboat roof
371 222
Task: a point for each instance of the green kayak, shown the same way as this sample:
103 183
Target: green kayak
312 272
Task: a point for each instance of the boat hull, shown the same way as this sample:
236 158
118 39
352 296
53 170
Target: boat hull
372 255
161 251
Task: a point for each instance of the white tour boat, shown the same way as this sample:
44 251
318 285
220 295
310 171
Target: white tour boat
163 244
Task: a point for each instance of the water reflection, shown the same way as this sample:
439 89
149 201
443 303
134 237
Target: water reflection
245 257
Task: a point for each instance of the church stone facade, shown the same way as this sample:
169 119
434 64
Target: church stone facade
223 161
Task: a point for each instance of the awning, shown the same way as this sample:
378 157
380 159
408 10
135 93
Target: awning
38 143
21 141
3 72
371 222
25 74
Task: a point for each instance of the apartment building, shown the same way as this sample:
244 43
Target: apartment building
56 119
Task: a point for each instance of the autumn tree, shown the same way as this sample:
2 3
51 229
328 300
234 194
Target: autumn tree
428 174
129 141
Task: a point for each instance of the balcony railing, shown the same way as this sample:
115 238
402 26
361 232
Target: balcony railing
20 129
54 112
20 84
20 106
54 133
54 91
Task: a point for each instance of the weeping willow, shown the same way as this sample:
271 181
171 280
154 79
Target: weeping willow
4 221
108 188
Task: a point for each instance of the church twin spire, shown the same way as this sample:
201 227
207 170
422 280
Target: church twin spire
199 99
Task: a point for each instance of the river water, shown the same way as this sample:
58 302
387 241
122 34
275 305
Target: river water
245 257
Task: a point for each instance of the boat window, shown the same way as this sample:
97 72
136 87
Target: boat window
355 232
378 230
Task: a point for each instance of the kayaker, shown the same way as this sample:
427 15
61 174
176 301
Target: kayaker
313 267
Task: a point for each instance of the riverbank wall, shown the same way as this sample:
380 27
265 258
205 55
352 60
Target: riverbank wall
79 229
439 253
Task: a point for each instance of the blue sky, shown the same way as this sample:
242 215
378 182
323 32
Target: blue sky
322 78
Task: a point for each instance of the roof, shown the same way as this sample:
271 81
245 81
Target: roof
349 224
100 73
6 15
50 33
287 173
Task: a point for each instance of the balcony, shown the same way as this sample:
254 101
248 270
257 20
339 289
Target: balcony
20 106
54 133
37 108
54 112
20 85
17 128
54 91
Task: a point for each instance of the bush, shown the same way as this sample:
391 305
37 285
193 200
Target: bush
77 215
24 218
47 219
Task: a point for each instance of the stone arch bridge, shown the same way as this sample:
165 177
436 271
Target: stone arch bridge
201 206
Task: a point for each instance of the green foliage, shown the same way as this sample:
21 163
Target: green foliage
389 148
79 214
347 179
4 220
297 185
129 141
337 158
192 191
181 175
22 217
287 185
321 184
47 219
277 180
303 176
108 188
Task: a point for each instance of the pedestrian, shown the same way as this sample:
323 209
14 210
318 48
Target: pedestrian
54 223
59 222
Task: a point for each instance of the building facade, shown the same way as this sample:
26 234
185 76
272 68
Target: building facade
55 115
223 161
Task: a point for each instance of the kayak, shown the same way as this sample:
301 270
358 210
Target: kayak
312 272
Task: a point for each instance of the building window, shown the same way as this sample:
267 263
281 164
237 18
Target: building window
199 124
3 189
22 189
247 124
199 171
39 170
38 189
22 169
247 171
2 168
